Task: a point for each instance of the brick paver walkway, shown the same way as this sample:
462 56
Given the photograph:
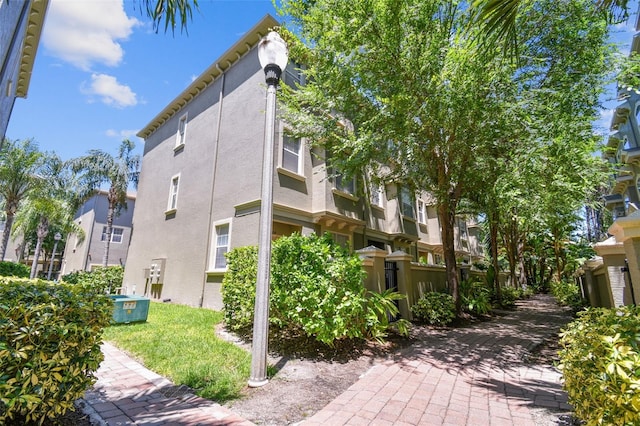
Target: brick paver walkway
467 376
126 393
475 376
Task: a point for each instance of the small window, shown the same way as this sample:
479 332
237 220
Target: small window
462 227
221 246
422 212
181 135
341 239
173 193
116 234
407 203
292 154
377 195
345 185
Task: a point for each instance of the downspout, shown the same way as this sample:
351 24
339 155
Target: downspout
626 269
213 182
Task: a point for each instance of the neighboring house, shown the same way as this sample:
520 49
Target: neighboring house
20 27
613 277
199 189
86 254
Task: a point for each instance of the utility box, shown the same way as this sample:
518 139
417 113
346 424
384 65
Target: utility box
129 308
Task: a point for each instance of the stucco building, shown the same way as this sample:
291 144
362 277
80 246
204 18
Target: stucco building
199 189
20 27
86 254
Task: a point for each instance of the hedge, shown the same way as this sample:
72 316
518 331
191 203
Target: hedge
50 337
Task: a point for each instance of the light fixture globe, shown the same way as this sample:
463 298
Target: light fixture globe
273 55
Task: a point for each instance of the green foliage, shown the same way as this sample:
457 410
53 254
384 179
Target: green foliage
435 309
600 363
509 296
476 297
239 287
316 289
100 280
12 269
50 337
567 294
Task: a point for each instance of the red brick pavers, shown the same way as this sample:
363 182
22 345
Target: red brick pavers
475 375
126 393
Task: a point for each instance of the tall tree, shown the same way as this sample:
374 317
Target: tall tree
99 168
19 165
50 205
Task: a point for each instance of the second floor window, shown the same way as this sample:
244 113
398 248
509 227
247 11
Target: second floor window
116 234
407 203
292 154
422 212
345 185
377 195
173 193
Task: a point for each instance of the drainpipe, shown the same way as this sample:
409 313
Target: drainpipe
626 269
213 182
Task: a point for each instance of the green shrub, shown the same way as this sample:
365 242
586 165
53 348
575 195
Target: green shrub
509 296
101 280
12 269
316 289
435 309
600 363
239 287
476 297
50 337
567 294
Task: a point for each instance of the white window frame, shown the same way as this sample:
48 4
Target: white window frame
337 184
422 212
407 203
463 230
181 132
299 154
377 195
174 190
113 233
215 247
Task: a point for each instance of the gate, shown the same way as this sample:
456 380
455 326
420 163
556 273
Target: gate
391 283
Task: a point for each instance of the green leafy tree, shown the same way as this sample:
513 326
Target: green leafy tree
19 167
99 168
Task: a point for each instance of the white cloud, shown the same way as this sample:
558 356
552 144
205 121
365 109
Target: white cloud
604 122
84 32
111 93
121 134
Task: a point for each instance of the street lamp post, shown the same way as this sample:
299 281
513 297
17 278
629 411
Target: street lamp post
57 237
273 56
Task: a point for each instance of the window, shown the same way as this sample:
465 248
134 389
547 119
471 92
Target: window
341 239
173 193
221 246
462 227
422 212
116 234
291 154
406 203
181 135
377 195
343 184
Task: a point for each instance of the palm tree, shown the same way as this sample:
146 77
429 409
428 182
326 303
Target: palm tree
49 205
498 19
98 168
19 165
169 10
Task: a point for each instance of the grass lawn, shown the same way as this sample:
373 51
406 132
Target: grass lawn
179 342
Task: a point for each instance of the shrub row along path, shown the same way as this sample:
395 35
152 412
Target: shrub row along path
475 375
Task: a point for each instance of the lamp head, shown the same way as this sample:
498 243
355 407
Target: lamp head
273 55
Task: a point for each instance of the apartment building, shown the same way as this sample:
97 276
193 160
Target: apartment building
20 27
199 189
85 254
613 277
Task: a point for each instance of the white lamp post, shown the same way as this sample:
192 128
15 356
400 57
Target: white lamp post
57 237
273 56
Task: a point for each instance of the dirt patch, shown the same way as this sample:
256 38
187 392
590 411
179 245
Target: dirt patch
308 375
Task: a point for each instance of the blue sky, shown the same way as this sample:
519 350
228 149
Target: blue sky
102 73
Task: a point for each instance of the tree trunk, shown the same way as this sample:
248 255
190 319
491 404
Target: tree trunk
107 240
6 233
41 232
447 220
522 274
493 233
